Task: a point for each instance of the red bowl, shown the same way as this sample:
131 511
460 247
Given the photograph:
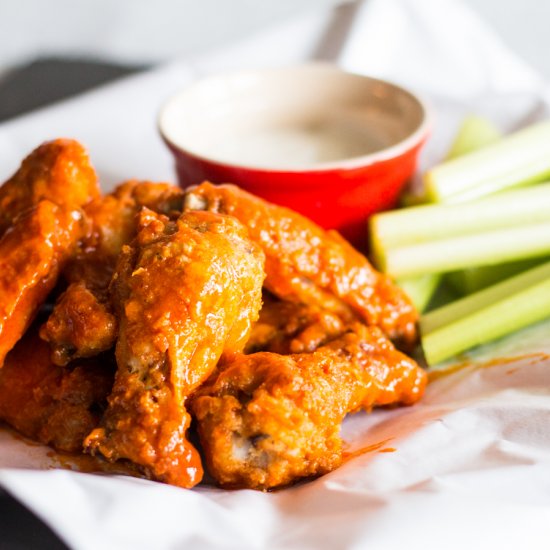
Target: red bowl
332 145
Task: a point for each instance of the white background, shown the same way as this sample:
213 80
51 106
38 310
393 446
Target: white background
152 31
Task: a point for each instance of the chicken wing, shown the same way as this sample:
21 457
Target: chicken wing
306 264
58 171
52 405
83 322
289 327
187 292
268 420
32 253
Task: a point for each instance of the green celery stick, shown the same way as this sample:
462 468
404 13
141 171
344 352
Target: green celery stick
488 248
420 224
486 315
518 159
420 289
467 281
474 133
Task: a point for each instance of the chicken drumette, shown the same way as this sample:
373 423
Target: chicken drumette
306 264
267 420
187 292
83 322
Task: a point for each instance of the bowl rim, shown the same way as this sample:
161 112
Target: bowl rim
396 150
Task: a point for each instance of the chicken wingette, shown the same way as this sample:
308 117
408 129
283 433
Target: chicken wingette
267 420
40 225
53 405
187 293
58 171
307 264
32 253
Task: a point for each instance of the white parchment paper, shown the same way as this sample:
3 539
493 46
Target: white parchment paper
468 467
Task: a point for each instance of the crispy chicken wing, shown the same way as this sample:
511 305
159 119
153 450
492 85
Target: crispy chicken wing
268 420
32 252
58 171
54 406
289 327
306 264
40 225
83 322
187 292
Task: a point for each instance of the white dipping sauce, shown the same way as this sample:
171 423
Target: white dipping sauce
294 146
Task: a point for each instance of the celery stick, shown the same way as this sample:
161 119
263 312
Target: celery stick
474 133
467 281
420 289
488 248
436 221
460 308
487 315
518 159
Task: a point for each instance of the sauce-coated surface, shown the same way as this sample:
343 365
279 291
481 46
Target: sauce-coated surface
154 295
187 292
306 264
268 419
54 405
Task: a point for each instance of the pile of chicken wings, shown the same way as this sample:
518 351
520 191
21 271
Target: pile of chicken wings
131 319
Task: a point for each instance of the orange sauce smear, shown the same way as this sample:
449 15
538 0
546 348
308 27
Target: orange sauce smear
498 361
92 464
376 447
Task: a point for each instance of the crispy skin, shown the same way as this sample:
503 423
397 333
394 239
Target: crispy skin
268 420
113 217
83 322
81 325
55 406
306 264
288 327
187 292
32 252
58 171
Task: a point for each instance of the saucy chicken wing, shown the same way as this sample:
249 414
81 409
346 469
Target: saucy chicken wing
32 253
268 419
58 171
52 405
306 264
187 292
83 322
289 327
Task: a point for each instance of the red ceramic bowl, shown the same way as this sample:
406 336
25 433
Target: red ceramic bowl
332 145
